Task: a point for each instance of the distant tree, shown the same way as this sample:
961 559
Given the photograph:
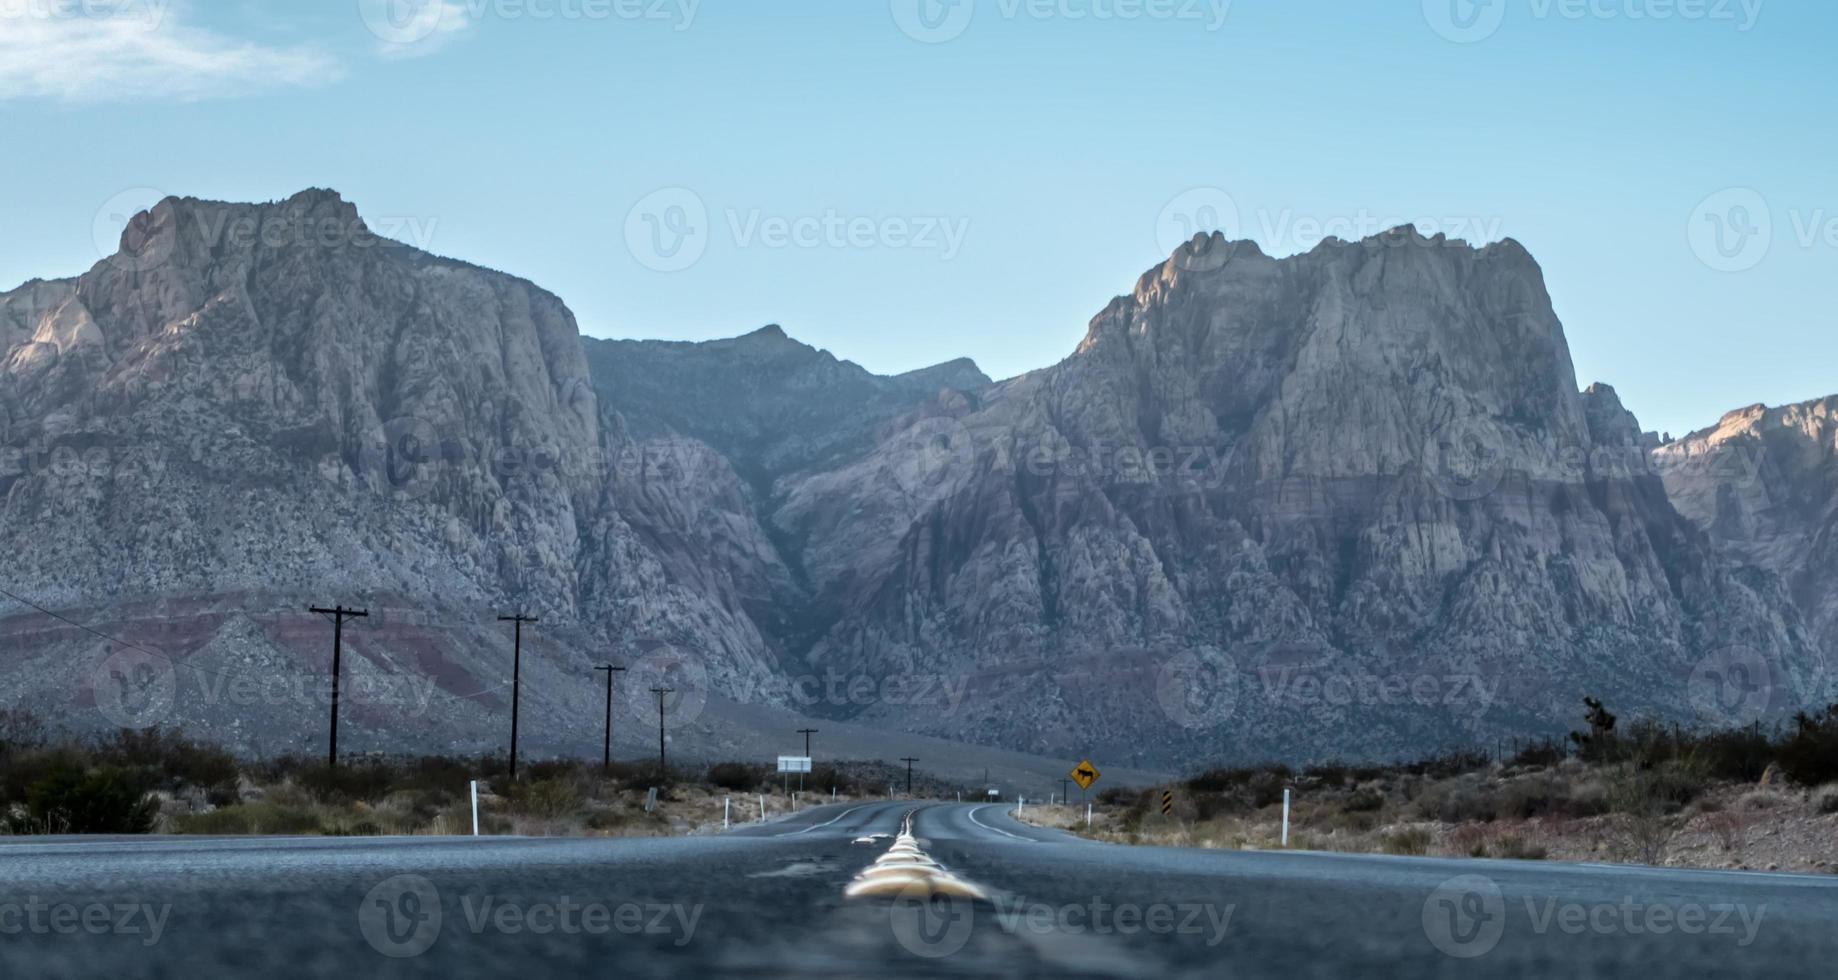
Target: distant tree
1598 744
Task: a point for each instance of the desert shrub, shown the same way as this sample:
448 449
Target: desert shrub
1826 799
70 799
546 798
169 759
1455 802
1643 800
827 777
1364 801
1739 755
1411 840
1118 796
1729 827
1758 800
20 731
1450 764
249 818
1266 788
1543 753
29 767
1515 848
1809 756
738 776
355 781
1535 797
1224 780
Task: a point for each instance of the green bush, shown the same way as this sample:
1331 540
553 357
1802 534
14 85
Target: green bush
167 758
73 800
741 777
1809 756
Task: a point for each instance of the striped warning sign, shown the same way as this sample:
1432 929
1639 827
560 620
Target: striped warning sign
1167 802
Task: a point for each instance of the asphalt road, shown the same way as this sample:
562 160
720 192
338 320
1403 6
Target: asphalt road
767 900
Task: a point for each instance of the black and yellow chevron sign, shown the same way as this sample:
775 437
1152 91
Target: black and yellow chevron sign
1167 802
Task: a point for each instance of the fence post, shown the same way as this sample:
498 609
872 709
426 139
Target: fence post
1285 818
475 808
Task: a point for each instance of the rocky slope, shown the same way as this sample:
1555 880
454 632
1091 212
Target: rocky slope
1763 482
1346 502
1350 502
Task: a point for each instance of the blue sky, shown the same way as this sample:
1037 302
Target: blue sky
902 184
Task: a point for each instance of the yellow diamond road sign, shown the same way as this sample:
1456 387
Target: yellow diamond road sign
1085 774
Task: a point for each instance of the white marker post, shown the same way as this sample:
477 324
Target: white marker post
727 812
1285 818
1087 816
475 808
762 808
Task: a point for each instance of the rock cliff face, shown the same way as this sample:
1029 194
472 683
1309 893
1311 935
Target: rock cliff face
1346 503
1763 482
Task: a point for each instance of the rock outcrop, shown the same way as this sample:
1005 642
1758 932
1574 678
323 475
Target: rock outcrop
1763 483
1346 503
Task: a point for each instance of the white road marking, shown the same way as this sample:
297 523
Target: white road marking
906 873
998 830
826 823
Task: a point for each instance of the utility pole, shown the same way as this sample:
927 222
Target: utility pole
663 769
516 679
807 733
339 614
606 764
909 760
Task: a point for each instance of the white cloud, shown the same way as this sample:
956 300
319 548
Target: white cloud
136 50
414 28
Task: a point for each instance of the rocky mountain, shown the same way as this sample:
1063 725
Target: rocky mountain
1350 502
1763 483
1355 493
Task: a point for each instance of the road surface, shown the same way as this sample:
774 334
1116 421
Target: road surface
767 900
